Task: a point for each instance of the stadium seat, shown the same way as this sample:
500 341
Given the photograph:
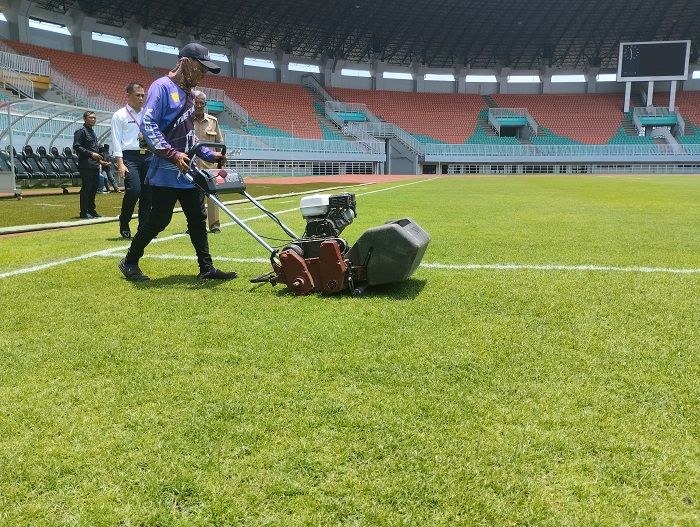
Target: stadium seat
572 118
98 75
432 117
71 161
32 159
63 164
52 164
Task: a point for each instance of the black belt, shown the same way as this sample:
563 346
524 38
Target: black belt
143 152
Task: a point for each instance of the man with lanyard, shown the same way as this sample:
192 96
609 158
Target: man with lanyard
89 163
206 128
168 128
132 158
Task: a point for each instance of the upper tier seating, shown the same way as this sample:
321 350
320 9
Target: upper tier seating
100 76
447 117
586 118
688 104
277 109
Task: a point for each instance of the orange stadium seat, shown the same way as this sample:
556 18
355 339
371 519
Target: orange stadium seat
286 107
447 117
587 118
100 76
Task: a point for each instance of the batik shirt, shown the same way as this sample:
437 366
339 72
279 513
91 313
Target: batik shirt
164 103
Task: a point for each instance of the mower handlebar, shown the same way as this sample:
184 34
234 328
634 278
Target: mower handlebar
195 149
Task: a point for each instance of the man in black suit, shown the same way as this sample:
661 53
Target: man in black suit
89 163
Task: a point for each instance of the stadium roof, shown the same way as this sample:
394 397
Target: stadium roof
519 34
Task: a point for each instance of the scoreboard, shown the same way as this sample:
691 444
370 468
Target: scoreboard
653 61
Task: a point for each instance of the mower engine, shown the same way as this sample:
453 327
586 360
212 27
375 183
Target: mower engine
316 262
321 261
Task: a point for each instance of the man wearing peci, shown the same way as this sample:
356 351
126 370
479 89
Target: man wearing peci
132 158
168 128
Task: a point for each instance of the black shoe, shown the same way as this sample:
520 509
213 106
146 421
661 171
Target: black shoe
124 230
86 216
132 272
215 230
216 274
95 214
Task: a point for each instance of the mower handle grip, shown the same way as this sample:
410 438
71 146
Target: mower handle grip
195 149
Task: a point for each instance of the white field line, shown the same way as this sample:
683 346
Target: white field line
464 267
558 267
122 248
49 205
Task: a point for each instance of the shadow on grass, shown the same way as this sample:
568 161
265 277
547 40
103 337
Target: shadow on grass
178 281
408 290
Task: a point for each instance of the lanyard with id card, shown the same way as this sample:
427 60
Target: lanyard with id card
143 146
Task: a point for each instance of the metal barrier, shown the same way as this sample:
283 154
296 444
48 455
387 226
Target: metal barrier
311 82
263 168
18 82
78 94
251 143
213 94
15 62
505 151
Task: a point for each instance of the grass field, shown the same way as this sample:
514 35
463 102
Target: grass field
546 393
50 208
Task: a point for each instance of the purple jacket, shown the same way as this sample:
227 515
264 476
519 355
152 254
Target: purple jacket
164 102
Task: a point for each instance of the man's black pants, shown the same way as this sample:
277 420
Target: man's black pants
90 177
136 188
163 201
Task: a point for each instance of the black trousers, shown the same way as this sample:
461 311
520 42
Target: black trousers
136 188
163 201
90 177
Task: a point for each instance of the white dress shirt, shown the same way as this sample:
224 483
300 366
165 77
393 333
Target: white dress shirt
125 130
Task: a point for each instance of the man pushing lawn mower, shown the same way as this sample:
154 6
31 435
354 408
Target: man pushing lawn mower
168 128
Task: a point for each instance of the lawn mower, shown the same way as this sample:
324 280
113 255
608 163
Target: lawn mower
320 260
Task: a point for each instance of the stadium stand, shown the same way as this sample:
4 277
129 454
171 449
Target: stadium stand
431 117
277 110
688 103
583 118
99 75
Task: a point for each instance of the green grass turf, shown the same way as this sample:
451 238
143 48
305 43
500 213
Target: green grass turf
37 209
457 398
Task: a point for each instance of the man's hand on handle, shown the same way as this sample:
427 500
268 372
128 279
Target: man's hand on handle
220 159
182 161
